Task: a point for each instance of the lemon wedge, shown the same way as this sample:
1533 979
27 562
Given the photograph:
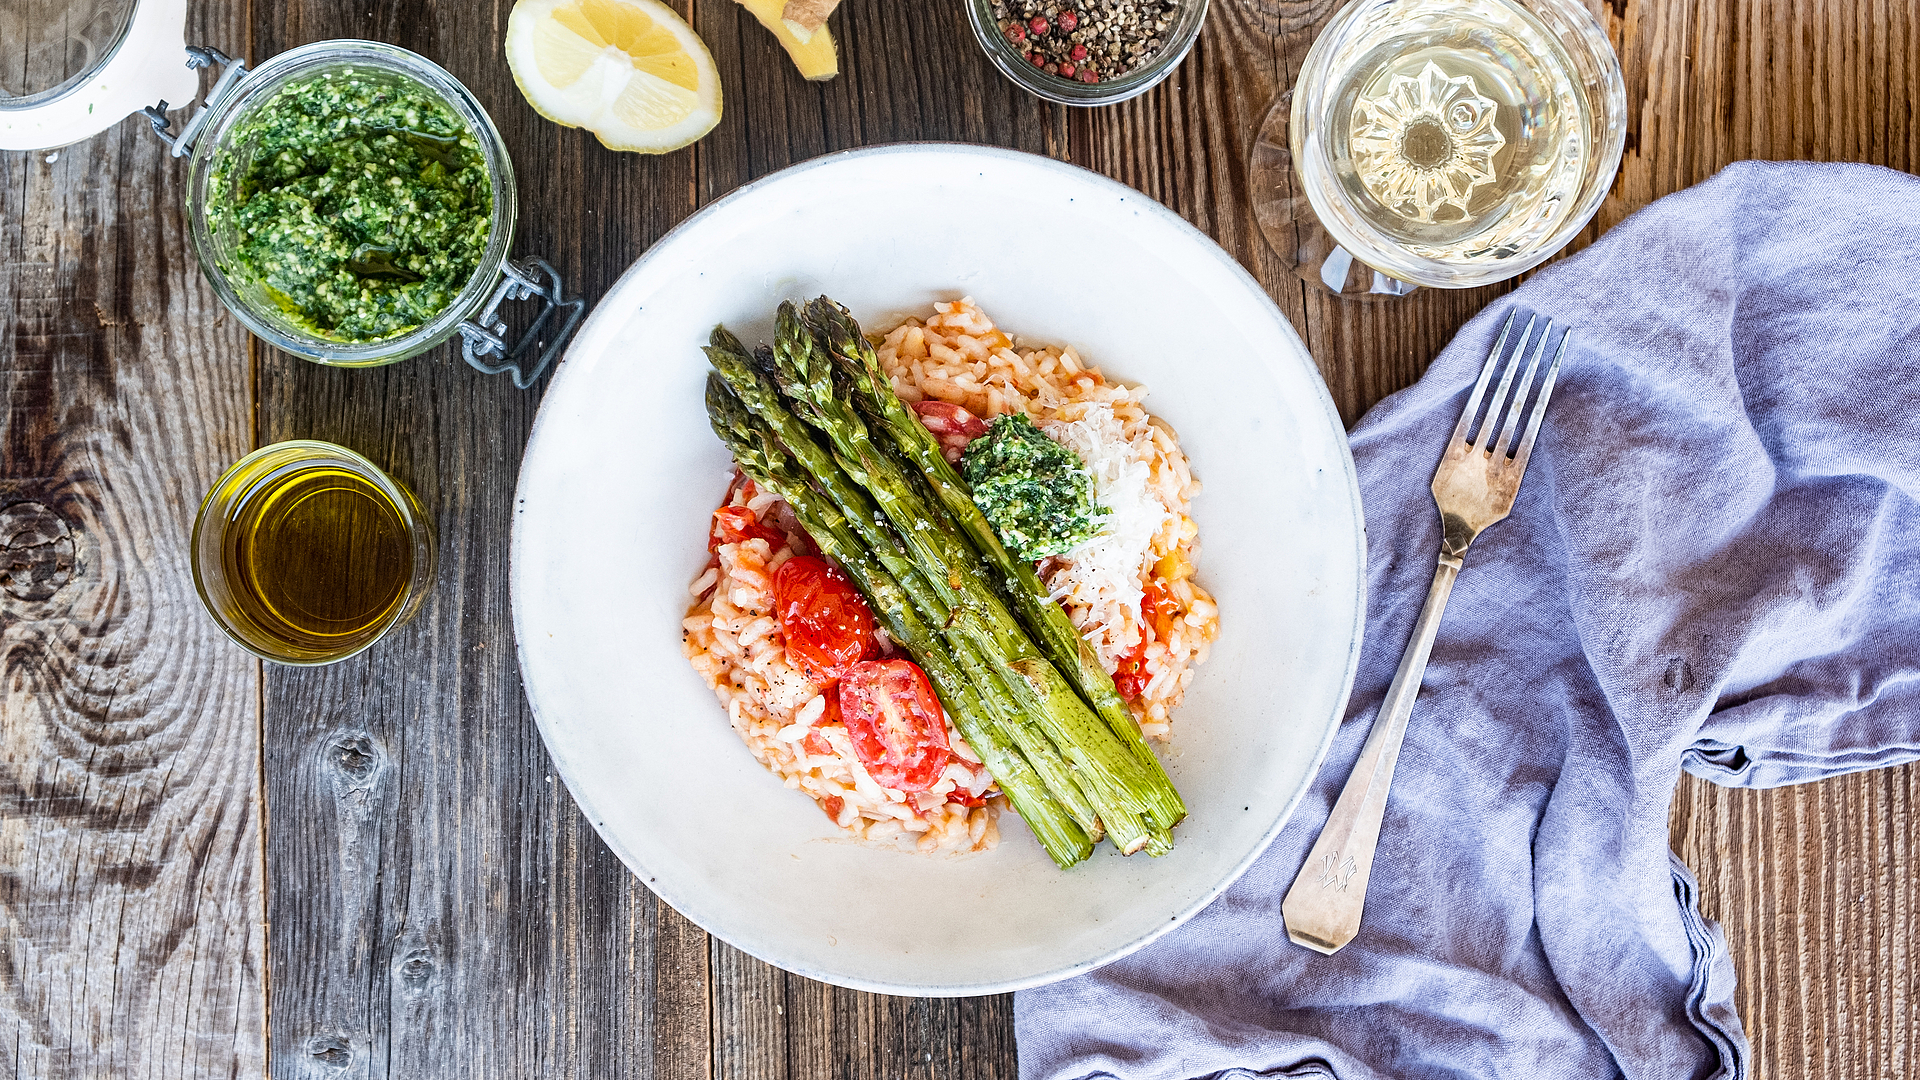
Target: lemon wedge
630 71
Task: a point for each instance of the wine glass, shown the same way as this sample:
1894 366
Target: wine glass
1446 143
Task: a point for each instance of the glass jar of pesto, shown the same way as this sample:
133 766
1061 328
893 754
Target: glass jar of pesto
353 204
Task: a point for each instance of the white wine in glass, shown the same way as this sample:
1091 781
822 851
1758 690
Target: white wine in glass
1447 143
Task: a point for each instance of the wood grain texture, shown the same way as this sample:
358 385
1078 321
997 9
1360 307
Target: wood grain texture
131 936
1816 888
439 906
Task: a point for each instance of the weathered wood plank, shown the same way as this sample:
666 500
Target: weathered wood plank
131 934
1708 83
750 1018
908 72
439 907
1815 885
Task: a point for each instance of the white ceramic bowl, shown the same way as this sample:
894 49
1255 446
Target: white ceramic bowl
622 473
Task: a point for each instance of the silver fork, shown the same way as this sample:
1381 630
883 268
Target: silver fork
1473 487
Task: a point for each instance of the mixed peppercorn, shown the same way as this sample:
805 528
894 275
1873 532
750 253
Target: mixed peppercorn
1087 41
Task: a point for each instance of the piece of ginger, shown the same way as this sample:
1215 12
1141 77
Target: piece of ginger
806 17
813 51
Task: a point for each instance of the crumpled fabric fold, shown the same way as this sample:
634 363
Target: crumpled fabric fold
1713 564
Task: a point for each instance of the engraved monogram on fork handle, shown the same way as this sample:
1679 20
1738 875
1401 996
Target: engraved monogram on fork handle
1473 487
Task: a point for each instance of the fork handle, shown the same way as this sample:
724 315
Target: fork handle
1322 909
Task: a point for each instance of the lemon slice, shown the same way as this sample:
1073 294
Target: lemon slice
630 71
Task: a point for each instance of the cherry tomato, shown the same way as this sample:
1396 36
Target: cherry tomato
944 417
966 799
1159 607
954 426
897 726
824 619
1131 677
732 524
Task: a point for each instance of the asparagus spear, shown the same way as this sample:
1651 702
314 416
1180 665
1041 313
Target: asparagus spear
731 361
1104 773
1064 645
1124 790
870 528
769 466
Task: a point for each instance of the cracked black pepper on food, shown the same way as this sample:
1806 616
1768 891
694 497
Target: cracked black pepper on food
1090 41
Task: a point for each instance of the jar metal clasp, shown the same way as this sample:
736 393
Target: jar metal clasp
486 336
198 56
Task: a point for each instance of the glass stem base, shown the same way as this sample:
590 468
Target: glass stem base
1292 230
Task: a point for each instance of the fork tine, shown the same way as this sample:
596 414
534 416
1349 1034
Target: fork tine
1540 406
1483 433
1486 374
1519 402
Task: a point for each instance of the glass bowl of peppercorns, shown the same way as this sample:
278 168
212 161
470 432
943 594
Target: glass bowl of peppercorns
1087 52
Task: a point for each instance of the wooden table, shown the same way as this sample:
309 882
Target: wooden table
210 867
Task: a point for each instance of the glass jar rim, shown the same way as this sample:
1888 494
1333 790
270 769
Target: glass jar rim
260 87
1013 64
1568 24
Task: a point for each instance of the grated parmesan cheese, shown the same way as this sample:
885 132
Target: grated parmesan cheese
1106 572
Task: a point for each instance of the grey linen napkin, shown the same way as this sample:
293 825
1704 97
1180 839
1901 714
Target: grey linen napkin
1714 564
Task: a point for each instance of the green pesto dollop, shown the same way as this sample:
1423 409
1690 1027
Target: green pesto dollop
1035 492
364 204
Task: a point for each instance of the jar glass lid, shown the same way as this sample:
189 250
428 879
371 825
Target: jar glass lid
85 65
57 43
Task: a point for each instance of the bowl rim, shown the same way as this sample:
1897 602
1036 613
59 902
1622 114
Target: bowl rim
587 338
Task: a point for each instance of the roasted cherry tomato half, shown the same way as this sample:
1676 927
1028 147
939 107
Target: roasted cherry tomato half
826 622
897 726
1159 607
732 524
946 418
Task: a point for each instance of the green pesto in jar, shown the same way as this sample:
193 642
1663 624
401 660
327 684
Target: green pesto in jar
363 204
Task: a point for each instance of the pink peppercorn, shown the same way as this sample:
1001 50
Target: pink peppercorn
1087 76
1038 24
1038 60
1016 33
1078 54
1067 70
1069 21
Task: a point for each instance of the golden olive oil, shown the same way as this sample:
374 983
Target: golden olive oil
318 560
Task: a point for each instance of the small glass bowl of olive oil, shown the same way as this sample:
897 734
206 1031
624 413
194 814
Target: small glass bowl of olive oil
307 553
